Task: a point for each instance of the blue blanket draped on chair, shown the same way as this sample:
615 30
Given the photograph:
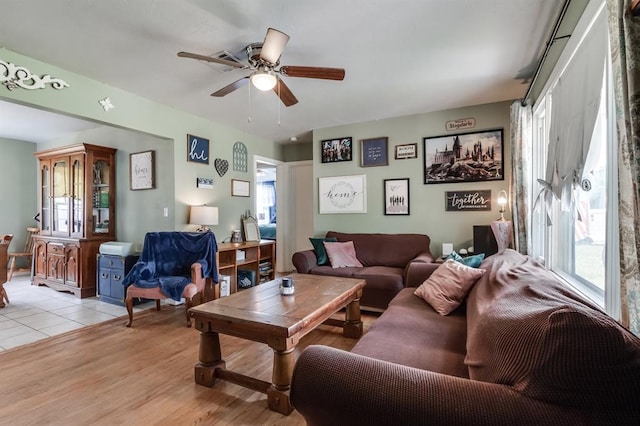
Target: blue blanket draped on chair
166 261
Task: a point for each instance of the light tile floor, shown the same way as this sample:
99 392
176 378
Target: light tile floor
37 312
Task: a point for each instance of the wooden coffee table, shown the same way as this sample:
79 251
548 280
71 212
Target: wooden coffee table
261 314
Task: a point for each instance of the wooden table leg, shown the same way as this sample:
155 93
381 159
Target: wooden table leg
278 393
353 323
210 358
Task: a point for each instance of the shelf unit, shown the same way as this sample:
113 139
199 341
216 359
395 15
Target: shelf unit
77 213
259 257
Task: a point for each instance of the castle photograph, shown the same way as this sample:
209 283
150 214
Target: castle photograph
466 157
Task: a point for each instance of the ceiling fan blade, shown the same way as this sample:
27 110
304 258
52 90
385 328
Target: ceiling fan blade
210 59
274 43
285 94
231 87
313 72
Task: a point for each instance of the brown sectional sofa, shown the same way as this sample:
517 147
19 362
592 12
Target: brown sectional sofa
522 350
390 263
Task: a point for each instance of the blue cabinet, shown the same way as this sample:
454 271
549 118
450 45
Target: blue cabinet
111 272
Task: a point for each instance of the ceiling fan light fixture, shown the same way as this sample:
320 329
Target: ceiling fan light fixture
264 79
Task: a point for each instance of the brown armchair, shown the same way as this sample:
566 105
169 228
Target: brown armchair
172 265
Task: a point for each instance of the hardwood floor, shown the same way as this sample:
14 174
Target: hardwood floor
110 374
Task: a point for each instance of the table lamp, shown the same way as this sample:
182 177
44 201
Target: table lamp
203 216
502 203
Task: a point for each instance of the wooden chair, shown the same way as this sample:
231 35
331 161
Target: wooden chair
26 254
5 240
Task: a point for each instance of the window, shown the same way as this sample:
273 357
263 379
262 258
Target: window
577 239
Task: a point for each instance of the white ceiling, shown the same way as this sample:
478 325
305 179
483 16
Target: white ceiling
401 57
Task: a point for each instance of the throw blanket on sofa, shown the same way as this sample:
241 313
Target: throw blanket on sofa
166 261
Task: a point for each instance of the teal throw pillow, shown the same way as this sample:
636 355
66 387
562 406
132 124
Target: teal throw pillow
472 261
455 256
321 252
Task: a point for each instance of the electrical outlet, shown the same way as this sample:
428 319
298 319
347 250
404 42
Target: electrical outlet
166 212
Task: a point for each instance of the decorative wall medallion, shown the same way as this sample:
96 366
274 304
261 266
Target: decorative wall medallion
221 166
240 157
13 77
106 104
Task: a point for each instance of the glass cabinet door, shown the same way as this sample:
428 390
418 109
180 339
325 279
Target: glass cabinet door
45 198
101 197
77 196
60 197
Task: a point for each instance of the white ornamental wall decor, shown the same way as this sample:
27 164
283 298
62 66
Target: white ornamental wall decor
13 77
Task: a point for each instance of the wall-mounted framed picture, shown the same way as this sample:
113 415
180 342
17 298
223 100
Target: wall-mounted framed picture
406 151
374 152
464 157
335 150
197 149
204 183
342 194
396 196
240 188
141 170
467 201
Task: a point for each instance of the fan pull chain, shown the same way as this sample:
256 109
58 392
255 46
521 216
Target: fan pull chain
249 118
278 101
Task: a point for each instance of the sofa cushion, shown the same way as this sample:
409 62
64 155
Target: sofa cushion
527 330
447 287
334 272
394 250
381 277
321 252
342 255
411 333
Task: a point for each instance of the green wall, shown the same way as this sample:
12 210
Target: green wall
427 202
138 124
297 151
142 210
18 199
138 211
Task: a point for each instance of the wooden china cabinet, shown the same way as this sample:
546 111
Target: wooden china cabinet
77 213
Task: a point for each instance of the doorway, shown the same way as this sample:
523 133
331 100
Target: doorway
266 199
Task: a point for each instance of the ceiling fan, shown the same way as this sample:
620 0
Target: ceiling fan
264 62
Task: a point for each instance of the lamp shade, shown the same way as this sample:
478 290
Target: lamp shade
203 215
502 202
502 199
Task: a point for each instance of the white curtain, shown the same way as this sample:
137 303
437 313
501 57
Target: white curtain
521 154
575 102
